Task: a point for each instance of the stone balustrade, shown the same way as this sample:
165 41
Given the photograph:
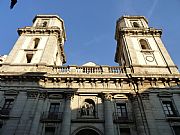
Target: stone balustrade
72 69
89 70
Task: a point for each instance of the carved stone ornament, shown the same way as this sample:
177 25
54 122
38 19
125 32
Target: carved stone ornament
145 96
42 95
10 93
55 96
107 96
120 96
150 58
69 96
32 94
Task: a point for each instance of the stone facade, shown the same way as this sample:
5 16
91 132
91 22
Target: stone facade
40 96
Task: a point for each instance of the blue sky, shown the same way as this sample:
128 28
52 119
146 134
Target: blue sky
90 25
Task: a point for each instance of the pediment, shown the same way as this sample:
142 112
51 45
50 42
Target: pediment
55 96
10 92
120 96
165 94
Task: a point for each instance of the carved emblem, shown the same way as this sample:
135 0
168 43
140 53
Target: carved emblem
107 96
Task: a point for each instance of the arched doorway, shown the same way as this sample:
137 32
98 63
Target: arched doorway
87 132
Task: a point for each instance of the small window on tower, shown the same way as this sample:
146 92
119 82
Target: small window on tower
136 24
36 42
144 44
44 24
29 57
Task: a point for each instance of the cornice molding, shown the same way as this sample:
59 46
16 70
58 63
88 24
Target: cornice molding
138 31
39 30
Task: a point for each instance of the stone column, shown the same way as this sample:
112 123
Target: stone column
66 122
109 128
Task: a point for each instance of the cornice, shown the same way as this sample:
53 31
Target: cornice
132 17
40 30
138 31
93 81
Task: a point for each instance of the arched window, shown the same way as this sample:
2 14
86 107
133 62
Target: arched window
88 108
135 24
44 24
29 57
144 44
36 42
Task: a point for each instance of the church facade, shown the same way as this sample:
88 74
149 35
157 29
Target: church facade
41 96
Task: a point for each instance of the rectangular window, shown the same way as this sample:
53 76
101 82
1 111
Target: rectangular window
125 131
7 106
49 130
29 57
121 109
54 107
176 130
54 113
169 108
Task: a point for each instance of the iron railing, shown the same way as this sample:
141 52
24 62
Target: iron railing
118 118
4 113
51 117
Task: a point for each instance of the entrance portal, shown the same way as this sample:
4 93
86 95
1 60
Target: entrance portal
87 132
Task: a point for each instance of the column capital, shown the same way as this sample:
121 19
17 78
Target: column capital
69 96
107 96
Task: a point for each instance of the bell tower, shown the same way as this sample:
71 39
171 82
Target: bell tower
41 44
140 47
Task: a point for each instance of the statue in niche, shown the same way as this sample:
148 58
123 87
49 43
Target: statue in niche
87 109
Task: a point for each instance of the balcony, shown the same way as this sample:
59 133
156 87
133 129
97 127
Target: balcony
51 117
173 118
118 118
4 113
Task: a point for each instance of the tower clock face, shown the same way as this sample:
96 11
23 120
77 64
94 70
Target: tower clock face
150 58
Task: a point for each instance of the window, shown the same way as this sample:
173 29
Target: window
29 57
168 108
136 25
54 107
49 130
144 44
125 131
7 106
176 130
44 24
54 113
36 42
121 109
